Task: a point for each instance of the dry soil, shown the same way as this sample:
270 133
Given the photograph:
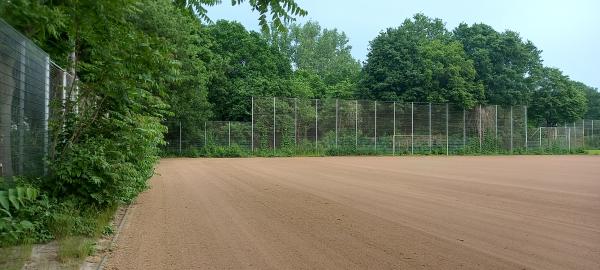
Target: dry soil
510 212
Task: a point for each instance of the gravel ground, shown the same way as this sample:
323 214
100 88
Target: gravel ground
507 212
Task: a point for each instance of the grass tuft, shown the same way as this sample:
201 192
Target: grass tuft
13 258
75 248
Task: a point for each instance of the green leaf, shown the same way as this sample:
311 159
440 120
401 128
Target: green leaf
31 193
26 224
4 200
12 197
20 194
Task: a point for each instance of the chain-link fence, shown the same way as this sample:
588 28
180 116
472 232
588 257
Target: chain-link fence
335 126
385 127
28 82
583 134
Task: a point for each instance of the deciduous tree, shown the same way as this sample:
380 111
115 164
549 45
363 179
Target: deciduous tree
419 61
505 64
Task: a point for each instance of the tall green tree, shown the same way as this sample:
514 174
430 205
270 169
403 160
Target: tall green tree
245 65
190 44
419 61
322 54
505 64
556 99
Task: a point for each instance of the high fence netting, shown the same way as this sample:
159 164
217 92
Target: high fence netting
29 81
335 126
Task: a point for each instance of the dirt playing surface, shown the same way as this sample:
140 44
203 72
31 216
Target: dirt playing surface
510 212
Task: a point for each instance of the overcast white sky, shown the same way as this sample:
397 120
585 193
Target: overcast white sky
568 32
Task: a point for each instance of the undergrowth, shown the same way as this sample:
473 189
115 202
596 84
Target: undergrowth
471 149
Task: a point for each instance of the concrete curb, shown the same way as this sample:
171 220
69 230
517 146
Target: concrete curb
114 239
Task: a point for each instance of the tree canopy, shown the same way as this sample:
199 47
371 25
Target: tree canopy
505 64
321 59
422 61
419 61
558 100
245 65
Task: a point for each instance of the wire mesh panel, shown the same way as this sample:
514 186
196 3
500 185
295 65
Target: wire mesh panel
505 128
326 130
347 125
456 128
439 131
264 124
592 134
285 119
306 123
578 136
556 138
240 135
473 138
519 128
24 110
421 128
218 133
366 125
403 128
488 118
534 139
385 127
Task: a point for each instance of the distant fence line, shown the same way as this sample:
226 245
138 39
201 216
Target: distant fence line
361 126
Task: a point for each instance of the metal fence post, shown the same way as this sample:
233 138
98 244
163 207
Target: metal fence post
21 123
511 128
464 128
526 135
375 137
46 111
394 134
205 135
447 133
480 129
316 125
274 126
430 140
583 133
567 135
575 132
412 128
180 136
496 124
569 139
296 121
336 122
252 127
540 137
229 133
593 134
356 125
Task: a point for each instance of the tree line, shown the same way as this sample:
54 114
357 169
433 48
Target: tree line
418 61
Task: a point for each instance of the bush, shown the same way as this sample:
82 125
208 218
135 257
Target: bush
108 170
23 215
